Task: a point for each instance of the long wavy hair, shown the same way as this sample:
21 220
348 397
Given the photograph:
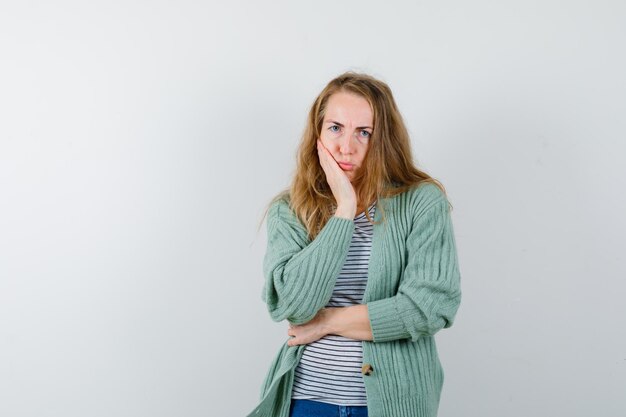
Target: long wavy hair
387 169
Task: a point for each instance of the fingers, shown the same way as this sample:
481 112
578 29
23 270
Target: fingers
320 153
290 342
326 160
336 178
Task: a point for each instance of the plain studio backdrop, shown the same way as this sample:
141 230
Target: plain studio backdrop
140 142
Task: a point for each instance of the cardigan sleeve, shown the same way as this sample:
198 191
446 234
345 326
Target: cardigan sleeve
429 292
300 274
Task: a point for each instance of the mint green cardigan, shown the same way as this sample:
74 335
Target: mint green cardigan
413 290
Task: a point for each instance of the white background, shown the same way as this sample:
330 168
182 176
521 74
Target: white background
140 142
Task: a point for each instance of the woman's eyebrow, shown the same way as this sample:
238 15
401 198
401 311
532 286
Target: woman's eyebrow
339 124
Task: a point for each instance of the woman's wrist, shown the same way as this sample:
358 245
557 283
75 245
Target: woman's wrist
346 212
350 321
329 319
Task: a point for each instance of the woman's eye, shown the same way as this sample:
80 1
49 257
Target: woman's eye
334 128
365 134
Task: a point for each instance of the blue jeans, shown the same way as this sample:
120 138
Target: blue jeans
310 408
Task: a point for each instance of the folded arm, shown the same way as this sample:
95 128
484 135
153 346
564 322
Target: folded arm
429 293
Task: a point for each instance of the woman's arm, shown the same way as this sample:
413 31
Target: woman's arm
427 299
299 274
429 293
351 322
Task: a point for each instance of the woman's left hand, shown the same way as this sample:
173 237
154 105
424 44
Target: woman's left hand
311 331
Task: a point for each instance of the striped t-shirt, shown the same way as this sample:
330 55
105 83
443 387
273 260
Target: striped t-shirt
330 368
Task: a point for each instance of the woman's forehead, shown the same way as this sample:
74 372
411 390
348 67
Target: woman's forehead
350 108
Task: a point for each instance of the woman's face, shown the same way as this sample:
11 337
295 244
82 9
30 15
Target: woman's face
346 130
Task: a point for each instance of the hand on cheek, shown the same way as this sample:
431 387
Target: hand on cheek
337 179
326 159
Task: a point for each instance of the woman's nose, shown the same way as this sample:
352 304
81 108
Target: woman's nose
347 145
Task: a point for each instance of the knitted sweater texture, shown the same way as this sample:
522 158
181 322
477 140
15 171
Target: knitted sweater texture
413 291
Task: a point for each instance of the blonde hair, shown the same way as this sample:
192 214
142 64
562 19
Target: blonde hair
387 170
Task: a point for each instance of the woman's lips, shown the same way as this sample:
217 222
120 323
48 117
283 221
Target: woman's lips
346 167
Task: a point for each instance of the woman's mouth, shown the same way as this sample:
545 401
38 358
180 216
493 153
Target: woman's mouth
346 167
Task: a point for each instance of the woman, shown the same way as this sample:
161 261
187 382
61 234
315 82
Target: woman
361 260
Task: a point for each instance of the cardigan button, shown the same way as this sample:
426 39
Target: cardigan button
367 369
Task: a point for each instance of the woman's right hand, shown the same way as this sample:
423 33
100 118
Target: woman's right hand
339 183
